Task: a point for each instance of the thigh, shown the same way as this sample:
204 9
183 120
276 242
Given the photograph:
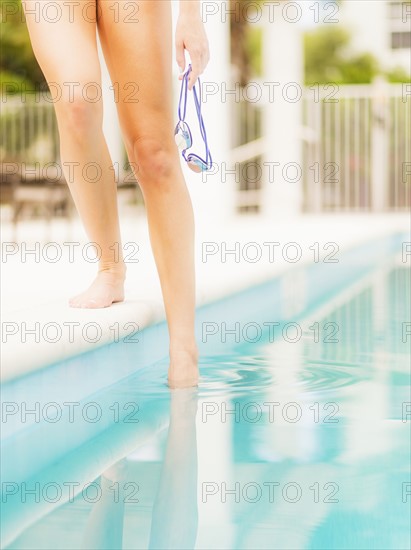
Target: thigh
63 38
136 38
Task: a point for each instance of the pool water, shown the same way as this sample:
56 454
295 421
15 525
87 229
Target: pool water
298 436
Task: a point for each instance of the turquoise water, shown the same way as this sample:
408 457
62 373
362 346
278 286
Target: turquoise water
297 438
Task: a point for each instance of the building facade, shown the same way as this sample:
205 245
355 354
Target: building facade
382 28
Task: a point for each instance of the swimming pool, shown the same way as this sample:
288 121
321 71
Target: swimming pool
297 438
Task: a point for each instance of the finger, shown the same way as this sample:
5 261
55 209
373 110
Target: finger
180 56
195 72
196 64
192 80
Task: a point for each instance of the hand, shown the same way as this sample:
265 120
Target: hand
191 36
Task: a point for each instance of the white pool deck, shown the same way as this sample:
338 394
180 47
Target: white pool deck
36 318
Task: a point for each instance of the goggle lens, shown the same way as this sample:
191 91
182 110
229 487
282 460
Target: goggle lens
197 165
182 137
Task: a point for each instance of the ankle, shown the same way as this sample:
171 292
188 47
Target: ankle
186 348
117 269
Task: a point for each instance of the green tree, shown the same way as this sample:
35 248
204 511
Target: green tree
398 74
18 64
327 59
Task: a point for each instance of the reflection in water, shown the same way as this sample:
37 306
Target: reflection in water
329 471
175 514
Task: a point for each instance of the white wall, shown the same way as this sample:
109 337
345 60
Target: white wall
371 26
283 64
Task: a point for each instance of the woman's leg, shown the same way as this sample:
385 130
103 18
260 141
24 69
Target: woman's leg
66 50
137 45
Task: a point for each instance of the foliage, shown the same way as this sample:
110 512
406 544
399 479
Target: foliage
327 60
254 45
17 62
398 75
326 50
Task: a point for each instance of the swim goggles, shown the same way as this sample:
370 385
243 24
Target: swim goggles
182 133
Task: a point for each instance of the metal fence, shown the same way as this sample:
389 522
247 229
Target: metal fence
31 176
356 149
359 153
29 132
247 150
31 173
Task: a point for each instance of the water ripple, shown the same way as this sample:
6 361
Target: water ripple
235 376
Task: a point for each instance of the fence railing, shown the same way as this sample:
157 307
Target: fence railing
356 147
356 150
359 156
248 146
31 172
29 137
29 132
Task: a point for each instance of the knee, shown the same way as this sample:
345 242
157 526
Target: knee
155 161
80 117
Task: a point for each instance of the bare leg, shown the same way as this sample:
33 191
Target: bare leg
66 50
138 50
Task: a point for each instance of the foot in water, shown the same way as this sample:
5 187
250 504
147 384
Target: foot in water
183 370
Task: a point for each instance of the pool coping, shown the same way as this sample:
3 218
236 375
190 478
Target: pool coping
115 323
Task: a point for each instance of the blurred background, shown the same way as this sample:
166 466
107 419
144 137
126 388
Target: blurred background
348 132
307 107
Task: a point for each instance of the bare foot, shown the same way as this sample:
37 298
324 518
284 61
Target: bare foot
183 370
106 289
